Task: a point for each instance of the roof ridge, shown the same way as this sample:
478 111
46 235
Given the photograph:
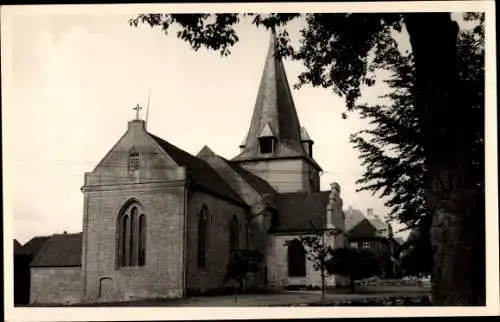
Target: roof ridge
45 236
236 167
200 172
172 145
67 234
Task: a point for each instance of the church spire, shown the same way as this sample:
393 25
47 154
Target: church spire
274 122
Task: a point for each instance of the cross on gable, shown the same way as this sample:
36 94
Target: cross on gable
137 108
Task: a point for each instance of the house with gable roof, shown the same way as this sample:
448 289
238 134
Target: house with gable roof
370 232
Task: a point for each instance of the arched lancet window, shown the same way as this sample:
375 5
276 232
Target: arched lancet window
296 259
131 250
202 236
142 240
234 234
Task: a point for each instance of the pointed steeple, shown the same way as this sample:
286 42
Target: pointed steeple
275 113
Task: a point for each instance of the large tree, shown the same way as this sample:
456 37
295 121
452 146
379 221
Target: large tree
336 51
392 152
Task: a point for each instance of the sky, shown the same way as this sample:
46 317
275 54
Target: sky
74 80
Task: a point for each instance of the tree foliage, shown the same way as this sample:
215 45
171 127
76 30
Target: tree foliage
241 263
418 260
353 264
318 253
392 151
212 31
350 263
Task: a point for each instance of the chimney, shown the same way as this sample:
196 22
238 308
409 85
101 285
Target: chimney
334 203
369 212
137 124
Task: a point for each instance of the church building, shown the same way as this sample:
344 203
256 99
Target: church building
159 222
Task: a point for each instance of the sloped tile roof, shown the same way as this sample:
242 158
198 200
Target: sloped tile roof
61 250
377 223
301 211
352 218
364 229
35 244
259 184
18 248
198 171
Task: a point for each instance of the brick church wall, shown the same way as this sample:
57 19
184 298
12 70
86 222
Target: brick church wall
211 277
56 285
162 276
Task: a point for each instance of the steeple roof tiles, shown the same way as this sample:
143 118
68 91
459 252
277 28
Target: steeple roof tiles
274 109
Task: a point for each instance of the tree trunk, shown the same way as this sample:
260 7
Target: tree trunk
457 230
323 287
235 293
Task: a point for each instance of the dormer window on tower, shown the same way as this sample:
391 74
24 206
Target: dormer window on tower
267 140
133 160
266 144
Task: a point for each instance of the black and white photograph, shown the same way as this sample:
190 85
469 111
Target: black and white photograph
297 157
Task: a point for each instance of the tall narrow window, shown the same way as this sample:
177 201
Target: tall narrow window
296 259
142 240
123 237
133 163
131 237
202 237
234 234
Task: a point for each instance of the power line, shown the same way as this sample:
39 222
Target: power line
119 165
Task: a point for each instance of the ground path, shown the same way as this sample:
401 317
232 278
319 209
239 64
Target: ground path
288 298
